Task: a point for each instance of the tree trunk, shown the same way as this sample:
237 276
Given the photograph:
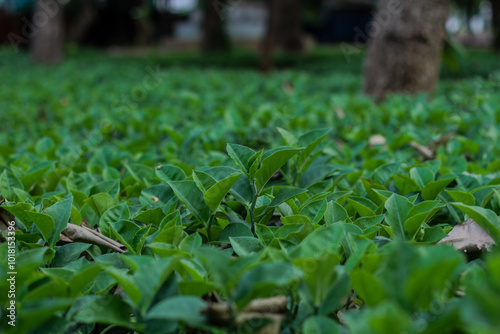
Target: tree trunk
143 28
469 13
48 39
214 33
284 30
495 6
288 25
404 54
266 61
88 14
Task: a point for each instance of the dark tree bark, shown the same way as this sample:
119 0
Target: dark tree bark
469 7
284 30
288 27
404 54
166 24
85 19
143 29
266 61
214 32
48 38
495 6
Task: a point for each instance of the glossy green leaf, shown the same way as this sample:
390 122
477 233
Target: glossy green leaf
245 246
43 222
169 173
309 141
419 214
8 182
369 287
272 161
186 309
100 203
363 206
235 230
60 213
422 176
321 325
215 194
486 218
189 194
398 208
284 194
433 189
383 173
108 309
112 215
241 155
461 196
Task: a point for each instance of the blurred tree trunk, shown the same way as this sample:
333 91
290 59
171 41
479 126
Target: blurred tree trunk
288 24
143 28
495 6
268 43
48 42
214 33
167 21
469 8
284 30
88 14
404 54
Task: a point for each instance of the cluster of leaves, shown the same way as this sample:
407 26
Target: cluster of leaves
343 228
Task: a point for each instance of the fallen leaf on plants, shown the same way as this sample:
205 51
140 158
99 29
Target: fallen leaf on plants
468 236
84 234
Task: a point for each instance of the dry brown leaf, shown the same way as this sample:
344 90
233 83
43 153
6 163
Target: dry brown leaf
341 317
5 218
64 238
267 305
377 140
72 233
340 144
271 309
425 152
288 88
340 113
87 235
468 236
219 313
429 152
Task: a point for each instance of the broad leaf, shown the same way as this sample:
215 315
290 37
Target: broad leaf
398 208
485 218
271 163
189 194
60 213
215 194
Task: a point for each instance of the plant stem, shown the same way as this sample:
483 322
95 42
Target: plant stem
252 209
209 226
295 174
450 208
107 329
232 324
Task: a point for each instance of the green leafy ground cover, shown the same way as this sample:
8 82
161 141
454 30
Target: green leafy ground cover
225 186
